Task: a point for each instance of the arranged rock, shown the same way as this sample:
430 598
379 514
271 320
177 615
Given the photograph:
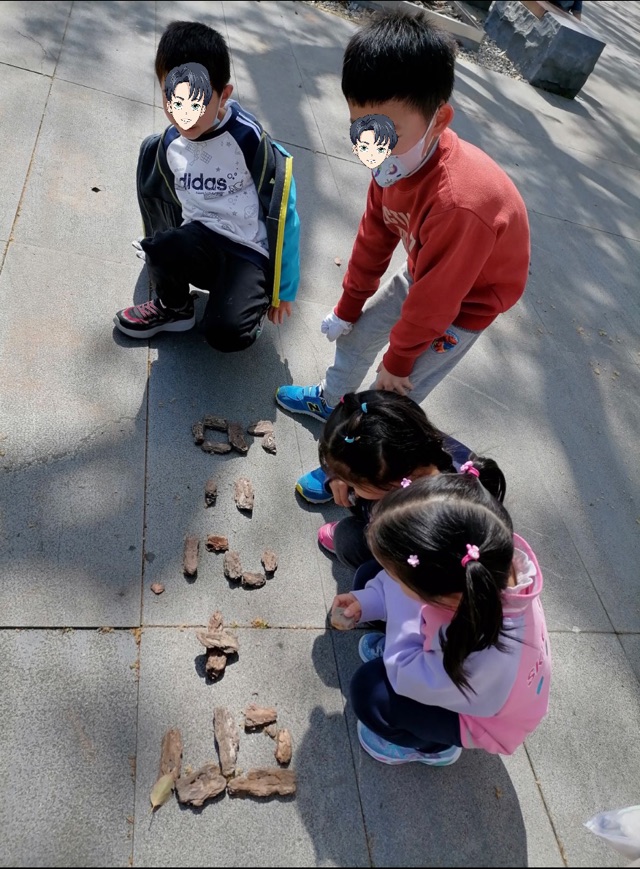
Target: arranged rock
171 754
244 494
269 562
190 558
264 783
269 443
283 747
210 493
216 423
221 640
157 588
253 580
339 621
217 543
216 447
232 566
271 730
228 739
260 428
256 717
215 663
197 429
202 785
236 438
215 622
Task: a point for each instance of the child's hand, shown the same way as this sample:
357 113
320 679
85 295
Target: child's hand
340 492
276 315
391 382
350 606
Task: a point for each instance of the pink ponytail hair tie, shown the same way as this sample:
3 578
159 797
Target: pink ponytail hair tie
473 554
405 482
469 468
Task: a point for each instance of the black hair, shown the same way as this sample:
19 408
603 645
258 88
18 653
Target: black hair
388 441
195 75
421 534
376 438
400 57
186 42
383 129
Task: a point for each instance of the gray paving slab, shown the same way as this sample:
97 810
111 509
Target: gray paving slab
408 809
292 670
60 210
73 444
631 645
121 48
188 380
18 139
586 754
68 721
31 34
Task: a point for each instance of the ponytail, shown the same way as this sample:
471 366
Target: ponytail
490 475
476 625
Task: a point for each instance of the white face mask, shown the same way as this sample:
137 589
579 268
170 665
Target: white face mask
398 166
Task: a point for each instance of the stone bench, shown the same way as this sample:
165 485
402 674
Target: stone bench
552 49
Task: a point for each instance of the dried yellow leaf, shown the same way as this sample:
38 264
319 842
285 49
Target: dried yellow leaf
162 790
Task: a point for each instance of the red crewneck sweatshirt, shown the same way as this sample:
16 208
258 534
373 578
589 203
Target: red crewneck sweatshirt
465 229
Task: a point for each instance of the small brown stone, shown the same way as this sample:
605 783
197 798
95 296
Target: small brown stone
215 622
216 447
339 621
260 428
222 641
256 717
253 580
269 443
197 429
217 543
271 730
283 747
236 438
157 588
215 663
269 561
232 566
244 494
202 785
210 493
171 754
226 735
216 423
190 558
264 783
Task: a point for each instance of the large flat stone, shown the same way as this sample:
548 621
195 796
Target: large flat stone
586 755
31 35
292 670
68 722
60 210
553 52
120 62
73 426
499 818
18 139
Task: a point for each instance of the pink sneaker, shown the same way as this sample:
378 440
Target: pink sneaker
325 537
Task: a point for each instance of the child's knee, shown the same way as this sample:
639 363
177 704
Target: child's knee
230 337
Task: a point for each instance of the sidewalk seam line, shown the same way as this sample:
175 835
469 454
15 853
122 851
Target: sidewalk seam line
563 855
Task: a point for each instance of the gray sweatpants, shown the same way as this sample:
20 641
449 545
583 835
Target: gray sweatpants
356 352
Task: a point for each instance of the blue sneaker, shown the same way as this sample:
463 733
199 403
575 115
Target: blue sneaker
371 646
311 487
304 399
386 752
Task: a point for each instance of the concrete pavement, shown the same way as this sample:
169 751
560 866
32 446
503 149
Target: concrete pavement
100 480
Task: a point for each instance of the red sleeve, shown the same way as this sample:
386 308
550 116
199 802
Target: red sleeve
455 246
371 255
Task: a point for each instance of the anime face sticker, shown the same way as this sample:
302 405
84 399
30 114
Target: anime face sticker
374 137
188 91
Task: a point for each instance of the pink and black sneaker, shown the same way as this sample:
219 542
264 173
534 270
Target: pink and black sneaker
146 320
325 537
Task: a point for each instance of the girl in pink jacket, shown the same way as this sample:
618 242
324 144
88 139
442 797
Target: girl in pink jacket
465 660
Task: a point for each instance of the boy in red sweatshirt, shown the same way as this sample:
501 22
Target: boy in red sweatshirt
460 218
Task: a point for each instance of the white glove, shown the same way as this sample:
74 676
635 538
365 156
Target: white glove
333 327
139 252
